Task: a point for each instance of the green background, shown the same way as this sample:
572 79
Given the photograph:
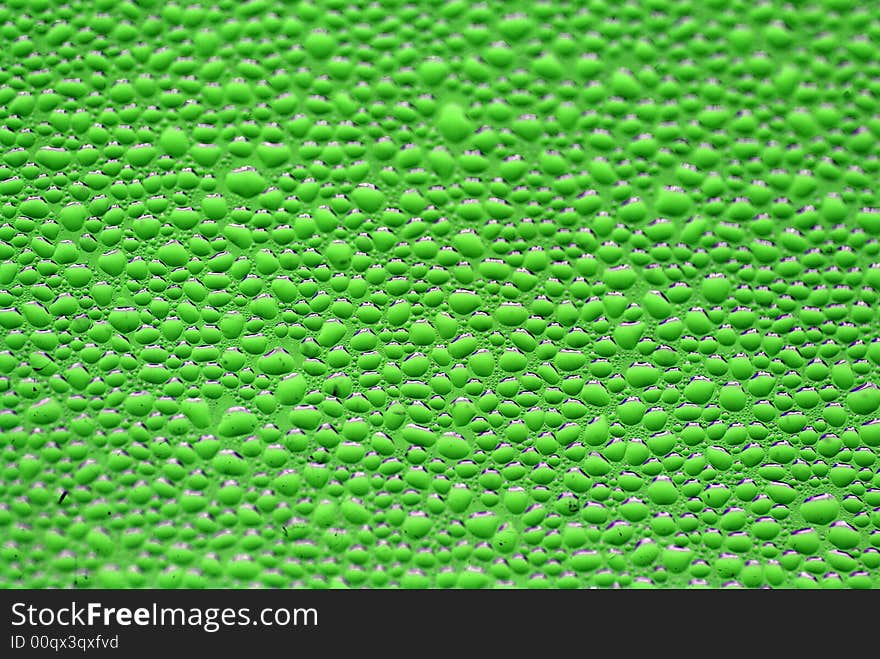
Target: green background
435 294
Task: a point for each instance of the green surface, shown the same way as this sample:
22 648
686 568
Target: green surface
439 294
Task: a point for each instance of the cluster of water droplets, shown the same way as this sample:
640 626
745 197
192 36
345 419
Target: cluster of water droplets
439 294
